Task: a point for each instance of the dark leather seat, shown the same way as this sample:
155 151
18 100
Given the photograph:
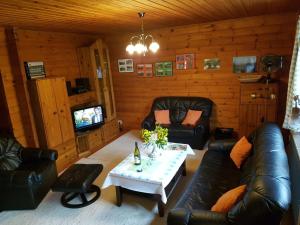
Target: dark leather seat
195 136
26 175
77 181
265 172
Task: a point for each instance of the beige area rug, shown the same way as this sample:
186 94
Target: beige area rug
135 210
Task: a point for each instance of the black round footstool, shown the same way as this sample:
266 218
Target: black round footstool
78 180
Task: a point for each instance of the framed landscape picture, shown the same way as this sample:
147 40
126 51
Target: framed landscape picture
144 70
163 69
244 64
212 64
125 65
185 61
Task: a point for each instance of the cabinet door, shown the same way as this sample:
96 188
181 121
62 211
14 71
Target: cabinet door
63 108
49 113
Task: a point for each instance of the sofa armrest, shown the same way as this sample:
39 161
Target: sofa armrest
149 122
222 145
181 216
17 178
31 154
202 126
178 216
208 218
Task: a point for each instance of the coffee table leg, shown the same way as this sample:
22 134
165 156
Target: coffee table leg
119 195
161 207
184 169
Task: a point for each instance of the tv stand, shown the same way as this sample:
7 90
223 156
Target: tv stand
92 140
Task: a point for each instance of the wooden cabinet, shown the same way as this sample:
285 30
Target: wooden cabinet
94 62
53 118
258 103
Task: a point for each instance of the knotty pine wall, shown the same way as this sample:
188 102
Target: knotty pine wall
56 50
273 34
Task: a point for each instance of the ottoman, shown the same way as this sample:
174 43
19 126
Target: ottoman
77 181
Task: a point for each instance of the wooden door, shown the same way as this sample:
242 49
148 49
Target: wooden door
62 103
49 112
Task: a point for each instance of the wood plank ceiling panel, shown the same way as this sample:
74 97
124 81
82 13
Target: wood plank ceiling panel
110 16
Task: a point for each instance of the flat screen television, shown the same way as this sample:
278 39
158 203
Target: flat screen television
87 118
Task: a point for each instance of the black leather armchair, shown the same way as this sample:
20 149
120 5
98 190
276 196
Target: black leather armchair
26 175
195 136
265 172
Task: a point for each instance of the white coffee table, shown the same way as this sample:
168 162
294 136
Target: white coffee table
158 178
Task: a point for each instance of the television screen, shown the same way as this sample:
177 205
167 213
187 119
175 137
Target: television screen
88 118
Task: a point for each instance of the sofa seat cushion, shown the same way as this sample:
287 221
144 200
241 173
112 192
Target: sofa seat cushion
216 175
179 130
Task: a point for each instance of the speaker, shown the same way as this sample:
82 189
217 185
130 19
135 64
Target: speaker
69 88
83 83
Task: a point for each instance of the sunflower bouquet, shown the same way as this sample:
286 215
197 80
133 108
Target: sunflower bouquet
158 137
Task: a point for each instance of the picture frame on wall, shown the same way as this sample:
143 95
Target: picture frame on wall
212 64
244 64
185 61
144 70
163 69
125 65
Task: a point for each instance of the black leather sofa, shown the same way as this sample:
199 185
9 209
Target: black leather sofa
265 172
26 175
195 136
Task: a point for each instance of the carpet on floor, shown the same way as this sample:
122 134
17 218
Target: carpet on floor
135 210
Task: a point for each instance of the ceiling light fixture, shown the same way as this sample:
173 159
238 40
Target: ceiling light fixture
138 43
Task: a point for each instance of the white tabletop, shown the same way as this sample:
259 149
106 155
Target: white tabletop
156 174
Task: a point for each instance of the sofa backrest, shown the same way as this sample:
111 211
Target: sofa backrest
266 173
179 106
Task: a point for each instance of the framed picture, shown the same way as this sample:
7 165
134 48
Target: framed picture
163 69
144 70
212 64
185 61
244 64
125 65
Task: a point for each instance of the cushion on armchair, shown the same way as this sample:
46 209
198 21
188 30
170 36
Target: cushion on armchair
9 154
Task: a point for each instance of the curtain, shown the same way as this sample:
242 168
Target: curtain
292 114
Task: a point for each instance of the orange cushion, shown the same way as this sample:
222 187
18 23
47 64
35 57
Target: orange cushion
162 116
229 199
240 151
192 117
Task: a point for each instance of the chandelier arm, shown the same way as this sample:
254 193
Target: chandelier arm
149 36
133 37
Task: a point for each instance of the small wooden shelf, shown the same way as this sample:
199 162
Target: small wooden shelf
83 98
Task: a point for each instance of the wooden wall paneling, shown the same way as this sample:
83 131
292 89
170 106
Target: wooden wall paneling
85 65
18 72
261 35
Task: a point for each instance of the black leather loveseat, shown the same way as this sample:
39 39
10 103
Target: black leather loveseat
26 175
195 136
265 172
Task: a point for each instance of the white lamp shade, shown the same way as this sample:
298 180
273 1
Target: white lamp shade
130 49
140 48
154 46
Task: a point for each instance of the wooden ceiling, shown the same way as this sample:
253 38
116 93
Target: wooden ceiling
110 16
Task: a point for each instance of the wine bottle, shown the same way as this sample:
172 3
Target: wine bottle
137 155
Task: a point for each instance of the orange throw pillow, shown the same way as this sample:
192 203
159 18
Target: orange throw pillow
240 151
229 199
162 116
192 117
